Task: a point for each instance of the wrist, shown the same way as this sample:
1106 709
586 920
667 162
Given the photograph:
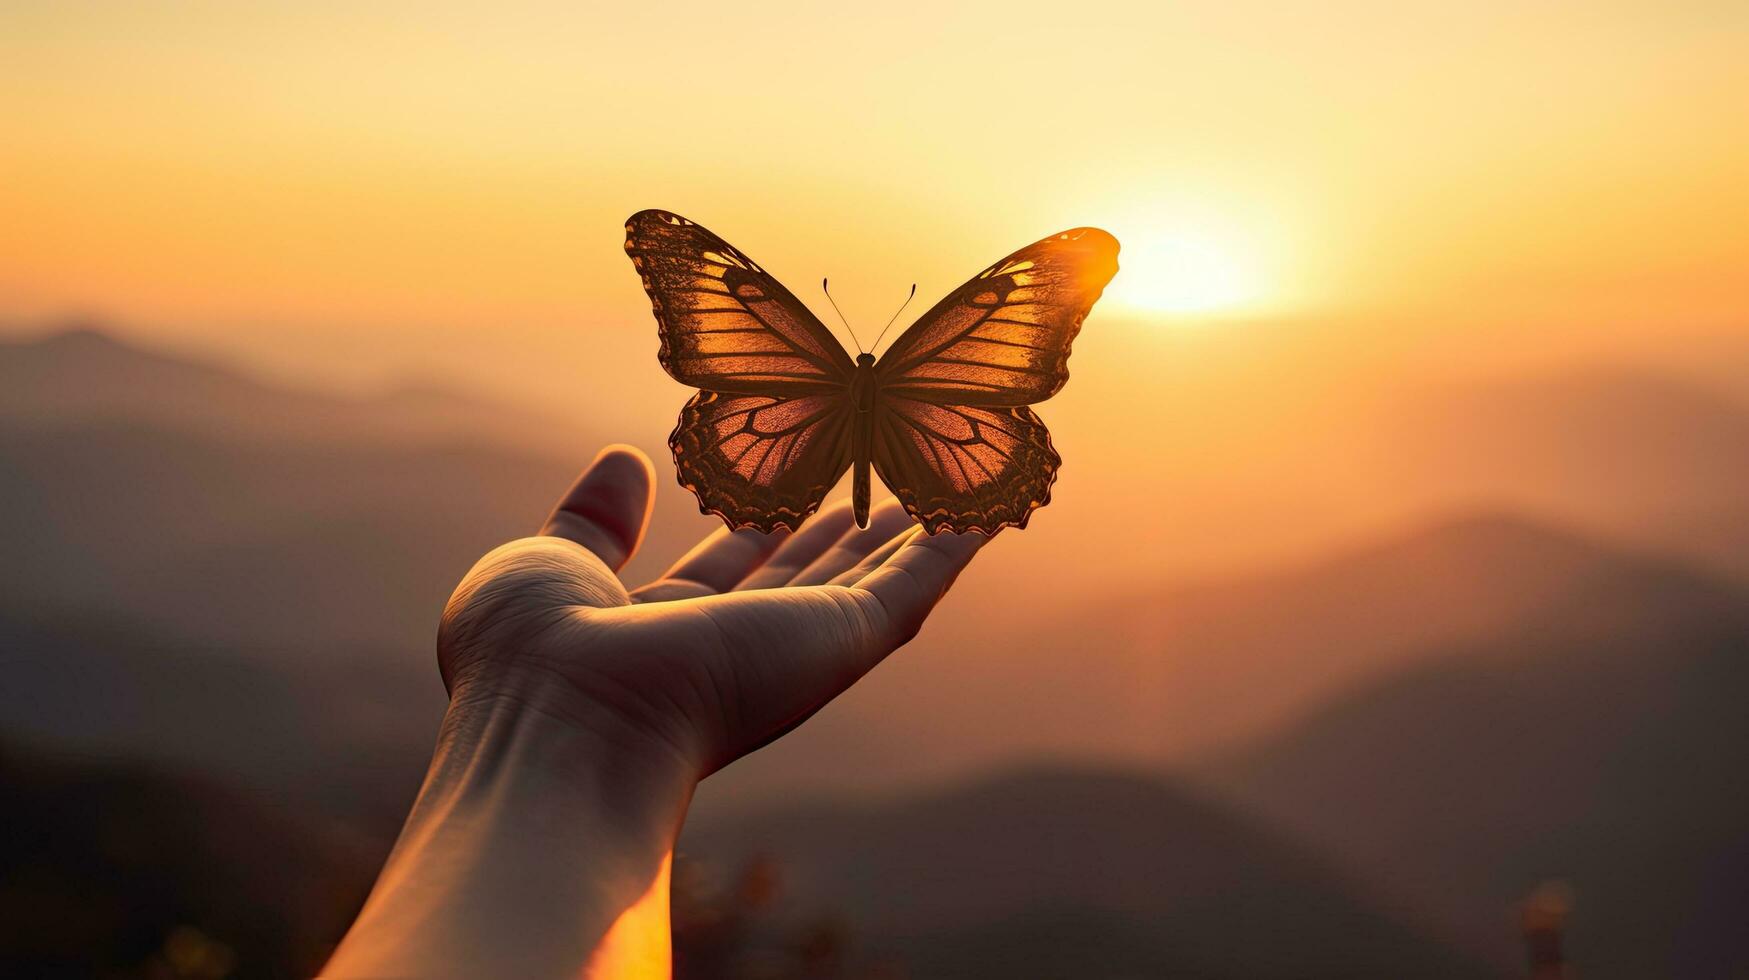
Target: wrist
524 806
527 728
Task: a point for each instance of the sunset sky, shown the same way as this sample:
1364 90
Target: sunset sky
378 190
1341 225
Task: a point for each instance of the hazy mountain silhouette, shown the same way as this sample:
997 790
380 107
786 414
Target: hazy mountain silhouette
1206 662
298 547
1601 740
243 579
243 515
301 530
127 869
1642 457
124 870
83 376
1168 673
1085 873
349 744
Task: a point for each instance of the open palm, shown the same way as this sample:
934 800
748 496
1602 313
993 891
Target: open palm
740 640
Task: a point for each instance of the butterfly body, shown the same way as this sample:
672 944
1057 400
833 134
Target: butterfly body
783 411
864 395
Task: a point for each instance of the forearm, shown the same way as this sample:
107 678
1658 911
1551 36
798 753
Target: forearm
538 846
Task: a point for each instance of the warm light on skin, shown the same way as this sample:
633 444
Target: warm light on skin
637 946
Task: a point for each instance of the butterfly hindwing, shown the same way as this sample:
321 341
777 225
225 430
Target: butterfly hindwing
1003 338
964 468
726 324
762 461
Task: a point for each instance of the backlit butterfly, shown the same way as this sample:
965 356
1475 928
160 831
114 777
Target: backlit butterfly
783 411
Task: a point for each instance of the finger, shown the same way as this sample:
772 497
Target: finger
909 584
887 520
724 557
778 656
876 558
669 590
790 651
608 508
821 531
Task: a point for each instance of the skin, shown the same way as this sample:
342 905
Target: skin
583 715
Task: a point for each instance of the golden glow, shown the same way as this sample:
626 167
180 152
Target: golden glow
1386 194
638 946
1183 273
332 186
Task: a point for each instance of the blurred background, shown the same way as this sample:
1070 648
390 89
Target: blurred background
1391 618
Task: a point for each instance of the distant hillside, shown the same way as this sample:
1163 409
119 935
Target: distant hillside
130 871
1601 740
249 522
254 545
345 738
1642 457
189 552
244 580
119 868
83 376
1168 673
1226 659
1081 873
236 513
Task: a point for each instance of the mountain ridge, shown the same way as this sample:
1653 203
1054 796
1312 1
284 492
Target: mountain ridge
1090 857
1600 743
84 374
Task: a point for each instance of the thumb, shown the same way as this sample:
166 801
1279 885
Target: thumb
608 508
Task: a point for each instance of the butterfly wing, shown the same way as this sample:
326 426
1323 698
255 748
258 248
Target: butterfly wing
964 468
1003 338
726 324
769 435
953 437
762 461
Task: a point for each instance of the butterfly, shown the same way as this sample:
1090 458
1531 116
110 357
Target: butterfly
782 410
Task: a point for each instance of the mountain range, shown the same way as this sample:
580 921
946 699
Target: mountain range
1354 764
1085 872
1600 741
1641 457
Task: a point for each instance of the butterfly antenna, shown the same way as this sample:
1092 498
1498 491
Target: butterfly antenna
824 288
895 315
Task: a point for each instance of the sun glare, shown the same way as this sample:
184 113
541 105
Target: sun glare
1182 272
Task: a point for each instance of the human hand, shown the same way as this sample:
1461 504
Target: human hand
582 715
743 638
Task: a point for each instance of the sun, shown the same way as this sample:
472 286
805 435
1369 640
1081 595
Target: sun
1186 271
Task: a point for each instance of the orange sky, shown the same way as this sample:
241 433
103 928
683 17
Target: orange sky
1322 207
438 189
1329 211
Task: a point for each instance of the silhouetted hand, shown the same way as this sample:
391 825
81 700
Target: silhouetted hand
582 715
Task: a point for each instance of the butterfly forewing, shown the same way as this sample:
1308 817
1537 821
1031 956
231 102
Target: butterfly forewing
1003 338
726 324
